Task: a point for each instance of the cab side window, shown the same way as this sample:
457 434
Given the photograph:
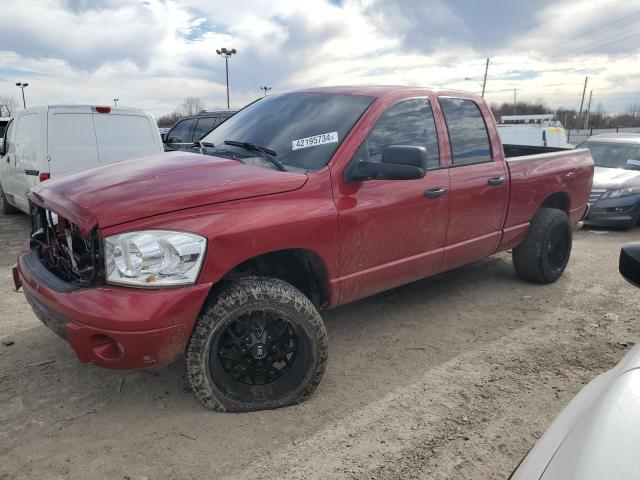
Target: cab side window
467 131
409 122
181 133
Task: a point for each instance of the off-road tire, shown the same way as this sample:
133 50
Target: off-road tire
531 258
5 207
238 298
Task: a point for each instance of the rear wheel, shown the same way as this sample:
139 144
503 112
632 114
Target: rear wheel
5 207
543 254
258 344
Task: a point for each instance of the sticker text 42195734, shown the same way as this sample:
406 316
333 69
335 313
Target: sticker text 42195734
330 137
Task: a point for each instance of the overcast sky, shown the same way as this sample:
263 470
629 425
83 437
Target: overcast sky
153 53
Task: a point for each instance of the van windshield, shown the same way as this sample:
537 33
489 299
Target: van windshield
303 129
614 155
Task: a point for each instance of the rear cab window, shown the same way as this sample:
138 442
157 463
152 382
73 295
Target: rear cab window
468 135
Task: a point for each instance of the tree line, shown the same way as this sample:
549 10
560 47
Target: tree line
598 117
189 106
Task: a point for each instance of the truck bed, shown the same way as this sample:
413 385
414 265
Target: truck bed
511 151
561 177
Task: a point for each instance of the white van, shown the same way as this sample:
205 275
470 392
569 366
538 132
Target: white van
535 130
46 142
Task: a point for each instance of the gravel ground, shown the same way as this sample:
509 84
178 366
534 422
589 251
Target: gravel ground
451 377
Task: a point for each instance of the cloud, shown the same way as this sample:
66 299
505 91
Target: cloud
153 53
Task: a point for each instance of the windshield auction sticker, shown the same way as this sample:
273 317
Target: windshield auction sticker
633 161
331 137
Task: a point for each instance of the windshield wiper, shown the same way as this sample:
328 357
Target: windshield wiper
265 153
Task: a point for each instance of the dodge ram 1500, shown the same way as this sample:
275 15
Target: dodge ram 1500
300 202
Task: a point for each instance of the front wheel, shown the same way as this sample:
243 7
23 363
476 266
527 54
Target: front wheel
258 344
543 254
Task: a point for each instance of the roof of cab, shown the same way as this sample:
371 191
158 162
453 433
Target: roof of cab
378 90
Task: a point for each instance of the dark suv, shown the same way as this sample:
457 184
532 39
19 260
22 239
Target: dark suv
188 130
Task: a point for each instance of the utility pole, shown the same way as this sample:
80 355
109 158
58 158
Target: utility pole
515 101
584 91
586 120
484 83
265 88
226 53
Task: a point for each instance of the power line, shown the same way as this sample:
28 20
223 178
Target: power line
598 46
612 39
591 30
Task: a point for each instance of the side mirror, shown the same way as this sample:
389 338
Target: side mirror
630 263
163 136
399 162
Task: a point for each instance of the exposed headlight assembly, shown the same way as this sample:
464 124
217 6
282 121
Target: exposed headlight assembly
153 258
622 192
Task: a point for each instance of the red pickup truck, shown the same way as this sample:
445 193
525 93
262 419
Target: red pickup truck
300 202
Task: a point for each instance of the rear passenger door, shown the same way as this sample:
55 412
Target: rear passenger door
479 185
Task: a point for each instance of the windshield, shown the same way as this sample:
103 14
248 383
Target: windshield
614 155
303 129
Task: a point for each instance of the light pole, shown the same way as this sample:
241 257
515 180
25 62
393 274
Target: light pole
226 53
115 102
265 88
23 86
479 84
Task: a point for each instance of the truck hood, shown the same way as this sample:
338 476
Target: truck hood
613 178
127 191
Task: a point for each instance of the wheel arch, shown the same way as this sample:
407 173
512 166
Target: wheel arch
300 267
557 200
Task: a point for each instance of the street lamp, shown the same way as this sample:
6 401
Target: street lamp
22 86
226 53
265 88
115 102
484 82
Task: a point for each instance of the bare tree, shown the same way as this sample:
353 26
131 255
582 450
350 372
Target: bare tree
8 106
169 119
192 105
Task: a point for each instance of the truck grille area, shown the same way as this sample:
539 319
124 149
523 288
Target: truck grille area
64 251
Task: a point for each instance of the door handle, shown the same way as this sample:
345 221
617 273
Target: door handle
435 192
495 181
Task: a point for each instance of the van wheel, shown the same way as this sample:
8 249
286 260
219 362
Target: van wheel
543 254
5 207
258 344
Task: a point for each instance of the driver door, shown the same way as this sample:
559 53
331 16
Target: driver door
393 231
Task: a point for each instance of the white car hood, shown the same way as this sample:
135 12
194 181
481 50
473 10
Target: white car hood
612 178
596 436
606 440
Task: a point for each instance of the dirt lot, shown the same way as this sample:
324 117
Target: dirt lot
451 377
